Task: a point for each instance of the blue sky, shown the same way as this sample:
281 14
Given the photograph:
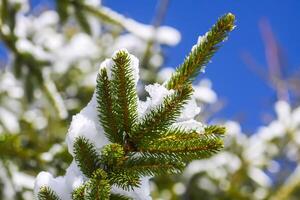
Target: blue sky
245 93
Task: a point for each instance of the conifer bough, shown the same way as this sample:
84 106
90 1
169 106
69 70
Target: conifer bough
202 52
137 143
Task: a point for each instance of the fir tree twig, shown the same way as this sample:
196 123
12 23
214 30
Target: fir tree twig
202 52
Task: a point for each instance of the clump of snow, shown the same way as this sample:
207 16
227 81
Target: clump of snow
191 124
190 110
163 34
86 124
204 93
62 185
58 185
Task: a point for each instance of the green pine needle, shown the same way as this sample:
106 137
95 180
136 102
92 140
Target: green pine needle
146 164
86 156
186 147
98 187
47 193
202 52
124 94
124 179
106 112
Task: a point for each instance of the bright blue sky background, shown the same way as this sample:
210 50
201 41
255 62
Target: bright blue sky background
245 93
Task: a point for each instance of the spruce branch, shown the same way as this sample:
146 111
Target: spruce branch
46 193
124 94
161 117
106 112
145 164
124 179
153 145
202 52
187 147
98 187
86 156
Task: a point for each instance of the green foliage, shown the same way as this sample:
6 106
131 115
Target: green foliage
46 193
152 145
150 164
124 92
107 115
186 145
124 179
78 193
160 118
139 147
86 156
112 154
202 52
98 187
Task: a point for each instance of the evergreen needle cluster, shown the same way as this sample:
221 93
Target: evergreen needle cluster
148 145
